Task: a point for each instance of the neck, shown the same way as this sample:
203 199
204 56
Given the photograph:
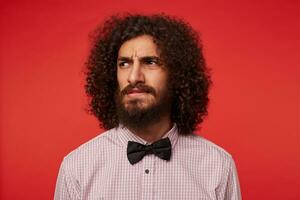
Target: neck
155 131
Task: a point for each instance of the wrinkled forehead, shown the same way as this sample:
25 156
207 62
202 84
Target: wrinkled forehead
140 46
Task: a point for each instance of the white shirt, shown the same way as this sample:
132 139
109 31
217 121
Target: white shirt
99 169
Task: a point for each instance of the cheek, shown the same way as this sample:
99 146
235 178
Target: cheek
160 82
122 82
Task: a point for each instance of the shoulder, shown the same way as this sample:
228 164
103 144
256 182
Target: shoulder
199 147
91 151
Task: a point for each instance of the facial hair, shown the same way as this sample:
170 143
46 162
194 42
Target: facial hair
137 118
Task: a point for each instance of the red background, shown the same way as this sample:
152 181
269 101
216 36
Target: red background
251 46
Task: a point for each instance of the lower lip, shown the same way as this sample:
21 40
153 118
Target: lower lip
136 94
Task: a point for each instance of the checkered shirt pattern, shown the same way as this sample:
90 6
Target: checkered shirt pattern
99 169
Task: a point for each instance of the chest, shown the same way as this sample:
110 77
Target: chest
150 179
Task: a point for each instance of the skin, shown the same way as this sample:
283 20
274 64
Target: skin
139 62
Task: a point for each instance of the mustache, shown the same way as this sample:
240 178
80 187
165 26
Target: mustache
139 86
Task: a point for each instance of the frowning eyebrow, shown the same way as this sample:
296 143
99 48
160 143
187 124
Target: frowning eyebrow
141 59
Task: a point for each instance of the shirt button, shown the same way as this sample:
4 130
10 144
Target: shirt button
147 171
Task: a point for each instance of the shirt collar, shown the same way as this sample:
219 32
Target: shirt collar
126 135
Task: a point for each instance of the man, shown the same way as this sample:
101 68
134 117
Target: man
148 86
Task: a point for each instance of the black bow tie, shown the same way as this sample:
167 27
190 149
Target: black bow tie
161 148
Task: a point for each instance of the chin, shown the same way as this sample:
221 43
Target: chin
142 103
137 106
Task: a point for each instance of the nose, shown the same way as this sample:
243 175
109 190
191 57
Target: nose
136 74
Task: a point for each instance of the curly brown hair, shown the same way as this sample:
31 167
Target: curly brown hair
181 50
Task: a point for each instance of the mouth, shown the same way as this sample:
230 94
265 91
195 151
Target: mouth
136 92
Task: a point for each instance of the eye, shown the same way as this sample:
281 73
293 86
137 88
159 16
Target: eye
151 61
123 64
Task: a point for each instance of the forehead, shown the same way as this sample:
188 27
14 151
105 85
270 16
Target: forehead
139 46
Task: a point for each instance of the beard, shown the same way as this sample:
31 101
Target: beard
136 117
